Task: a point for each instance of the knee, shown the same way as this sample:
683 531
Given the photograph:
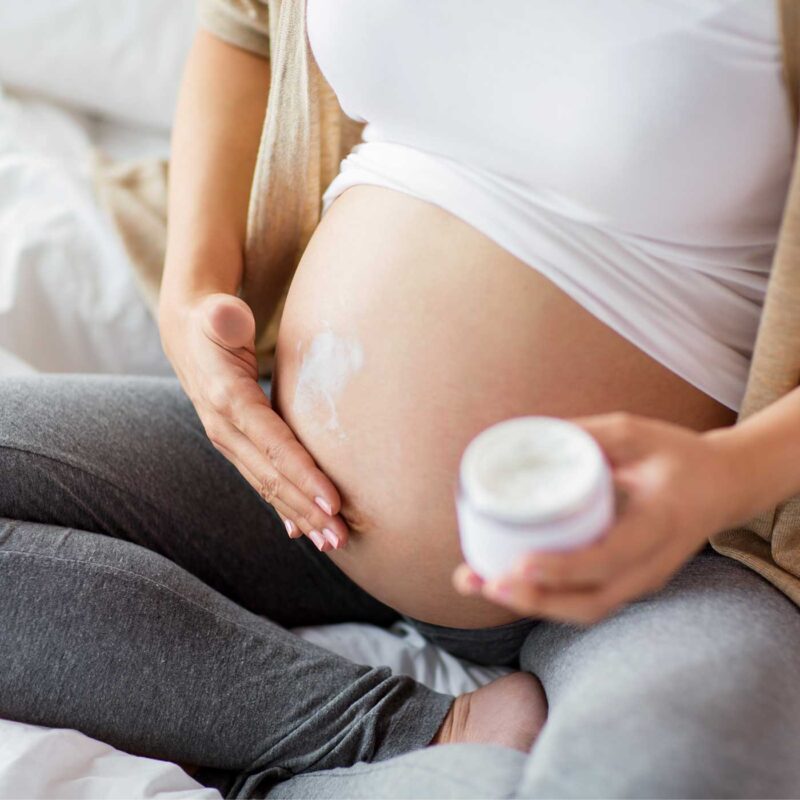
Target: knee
32 432
50 427
19 406
22 429
667 713
32 487
666 742
457 770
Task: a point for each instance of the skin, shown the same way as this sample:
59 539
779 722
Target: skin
496 340
417 405
680 487
207 333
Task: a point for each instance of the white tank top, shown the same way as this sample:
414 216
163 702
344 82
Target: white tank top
637 154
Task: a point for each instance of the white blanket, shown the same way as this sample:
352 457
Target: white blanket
64 278
68 301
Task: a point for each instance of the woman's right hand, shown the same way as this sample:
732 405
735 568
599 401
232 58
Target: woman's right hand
211 345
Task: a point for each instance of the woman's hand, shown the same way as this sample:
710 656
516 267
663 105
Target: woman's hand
210 343
675 489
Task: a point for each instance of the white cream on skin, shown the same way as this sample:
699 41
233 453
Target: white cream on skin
328 364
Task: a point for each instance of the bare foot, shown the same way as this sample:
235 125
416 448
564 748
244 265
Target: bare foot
509 711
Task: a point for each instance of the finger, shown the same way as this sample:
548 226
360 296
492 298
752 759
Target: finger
276 444
616 435
274 486
280 493
581 606
294 530
629 541
228 321
322 539
466 580
217 415
243 404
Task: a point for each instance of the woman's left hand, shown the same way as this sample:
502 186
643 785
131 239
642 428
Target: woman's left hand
676 487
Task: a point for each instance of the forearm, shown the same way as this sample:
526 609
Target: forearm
764 456
215 140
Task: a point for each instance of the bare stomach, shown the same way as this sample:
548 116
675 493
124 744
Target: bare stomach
405 333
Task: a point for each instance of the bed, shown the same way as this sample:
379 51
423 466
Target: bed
65 278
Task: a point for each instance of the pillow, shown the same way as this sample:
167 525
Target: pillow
118 59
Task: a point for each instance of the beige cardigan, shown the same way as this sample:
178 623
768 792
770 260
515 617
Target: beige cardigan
306 135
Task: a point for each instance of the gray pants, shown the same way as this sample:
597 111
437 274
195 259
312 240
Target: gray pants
145 588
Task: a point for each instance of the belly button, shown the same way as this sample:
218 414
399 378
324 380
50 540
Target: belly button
356 520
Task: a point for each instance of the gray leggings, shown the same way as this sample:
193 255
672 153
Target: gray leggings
146 588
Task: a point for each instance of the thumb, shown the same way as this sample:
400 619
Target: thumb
616 434
228 321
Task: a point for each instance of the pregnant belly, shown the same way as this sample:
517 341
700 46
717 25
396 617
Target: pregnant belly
405 333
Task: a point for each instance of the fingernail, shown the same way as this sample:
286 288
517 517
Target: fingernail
499 591
318 539
474 581
324 505
289 526
331 537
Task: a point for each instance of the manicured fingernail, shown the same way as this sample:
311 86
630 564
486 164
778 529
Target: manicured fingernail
289 526
474 582
318 539
324 505
498 591
331 537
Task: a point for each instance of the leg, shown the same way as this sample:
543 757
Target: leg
109 637
128 457
116 641
690 693
456 772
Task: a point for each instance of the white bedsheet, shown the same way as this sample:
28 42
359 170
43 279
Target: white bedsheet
64 278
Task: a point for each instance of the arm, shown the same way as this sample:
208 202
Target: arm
220 112
679 487
206 330
764 451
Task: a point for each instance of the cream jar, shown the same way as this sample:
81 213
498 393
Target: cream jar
527 484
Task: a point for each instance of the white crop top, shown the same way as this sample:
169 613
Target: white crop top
636 153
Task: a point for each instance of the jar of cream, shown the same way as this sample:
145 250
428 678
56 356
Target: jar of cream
530 483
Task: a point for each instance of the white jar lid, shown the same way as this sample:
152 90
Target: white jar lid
531 469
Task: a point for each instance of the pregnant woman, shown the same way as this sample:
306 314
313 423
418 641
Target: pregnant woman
567 208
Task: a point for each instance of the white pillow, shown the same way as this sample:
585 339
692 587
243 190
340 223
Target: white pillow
118 59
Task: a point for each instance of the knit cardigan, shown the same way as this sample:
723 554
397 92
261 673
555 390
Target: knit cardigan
305 136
